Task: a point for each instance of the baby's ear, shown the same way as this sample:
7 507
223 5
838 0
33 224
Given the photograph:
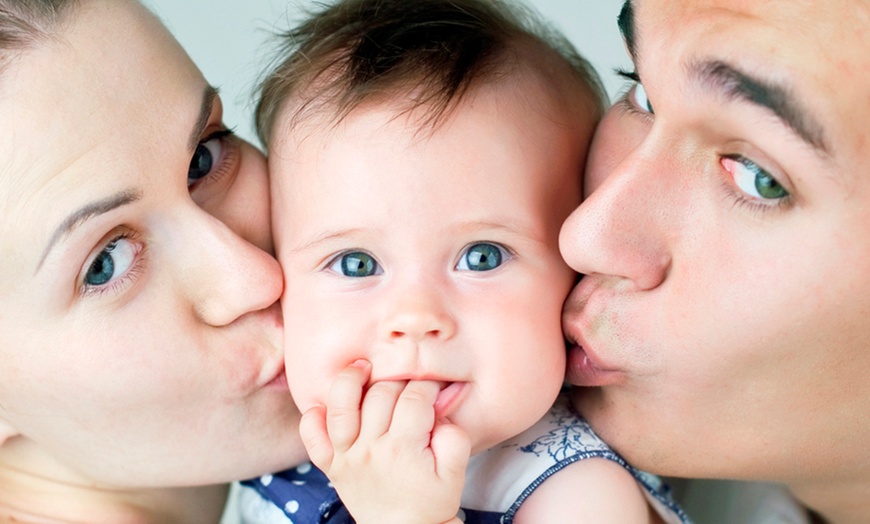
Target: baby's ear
6 431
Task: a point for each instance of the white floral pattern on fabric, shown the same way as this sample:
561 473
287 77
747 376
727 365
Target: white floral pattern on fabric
501 478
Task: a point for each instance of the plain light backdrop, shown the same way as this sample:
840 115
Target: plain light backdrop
232 40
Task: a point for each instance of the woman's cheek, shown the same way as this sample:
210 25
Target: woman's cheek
245 208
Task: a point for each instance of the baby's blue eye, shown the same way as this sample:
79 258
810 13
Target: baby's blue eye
482 256
356 264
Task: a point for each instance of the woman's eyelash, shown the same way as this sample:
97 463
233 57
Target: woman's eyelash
219 134
229 153
130 276
118 285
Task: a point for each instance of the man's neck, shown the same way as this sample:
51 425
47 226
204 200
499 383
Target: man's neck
836 503
31 492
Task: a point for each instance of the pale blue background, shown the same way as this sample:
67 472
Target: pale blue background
229 40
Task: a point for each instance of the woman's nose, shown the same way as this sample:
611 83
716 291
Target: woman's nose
226 276
622 228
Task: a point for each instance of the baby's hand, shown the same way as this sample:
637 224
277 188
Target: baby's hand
386 455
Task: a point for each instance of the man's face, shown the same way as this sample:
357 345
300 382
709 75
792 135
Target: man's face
725 243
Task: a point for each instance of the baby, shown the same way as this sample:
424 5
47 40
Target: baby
423 157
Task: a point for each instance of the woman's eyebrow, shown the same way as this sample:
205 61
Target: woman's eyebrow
100 207
205 107
85 213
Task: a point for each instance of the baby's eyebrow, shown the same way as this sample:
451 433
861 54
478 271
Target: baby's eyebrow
489 224
520 238
468 227
324 237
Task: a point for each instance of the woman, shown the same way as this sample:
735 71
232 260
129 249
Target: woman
139 332
721 327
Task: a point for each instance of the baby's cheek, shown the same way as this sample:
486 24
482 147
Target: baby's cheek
300 384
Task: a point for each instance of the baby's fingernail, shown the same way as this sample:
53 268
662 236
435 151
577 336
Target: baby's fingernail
361 363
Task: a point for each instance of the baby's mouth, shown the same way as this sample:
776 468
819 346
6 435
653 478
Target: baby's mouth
449 398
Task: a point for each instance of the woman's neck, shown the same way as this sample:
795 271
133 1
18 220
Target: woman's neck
33 490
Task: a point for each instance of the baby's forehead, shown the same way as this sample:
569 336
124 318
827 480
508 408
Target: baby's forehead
523 130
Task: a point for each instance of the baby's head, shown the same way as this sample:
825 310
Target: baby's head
423 156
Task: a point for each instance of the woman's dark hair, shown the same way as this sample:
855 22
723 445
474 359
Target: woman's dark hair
23 23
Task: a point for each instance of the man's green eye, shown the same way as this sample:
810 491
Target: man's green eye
752 179
767 187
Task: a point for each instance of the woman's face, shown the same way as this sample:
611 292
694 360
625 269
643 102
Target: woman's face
139 335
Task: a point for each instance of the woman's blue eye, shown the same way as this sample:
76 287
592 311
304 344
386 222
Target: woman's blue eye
115 259
482 256
207 156
356 264
640 99
752 179
204 159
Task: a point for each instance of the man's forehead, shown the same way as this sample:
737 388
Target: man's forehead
810 42
804 61
798 17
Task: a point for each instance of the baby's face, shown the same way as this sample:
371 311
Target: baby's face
433 255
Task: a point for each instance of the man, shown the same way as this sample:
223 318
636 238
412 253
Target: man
721 326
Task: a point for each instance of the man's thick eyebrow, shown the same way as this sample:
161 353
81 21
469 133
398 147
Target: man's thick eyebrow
738 85
776 98
87 212
205 107
625 21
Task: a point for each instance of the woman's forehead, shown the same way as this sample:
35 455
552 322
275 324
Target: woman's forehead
106 107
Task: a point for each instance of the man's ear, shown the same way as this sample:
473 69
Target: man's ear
6 431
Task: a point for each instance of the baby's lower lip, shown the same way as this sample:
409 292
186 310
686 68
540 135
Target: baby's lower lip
449 398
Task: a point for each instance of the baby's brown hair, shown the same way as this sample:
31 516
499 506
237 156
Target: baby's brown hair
355 51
